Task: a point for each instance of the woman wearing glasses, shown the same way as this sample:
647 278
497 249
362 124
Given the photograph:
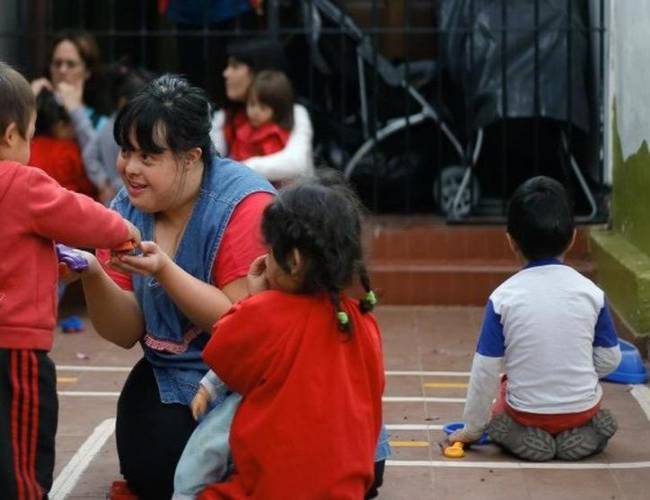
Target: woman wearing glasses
72 77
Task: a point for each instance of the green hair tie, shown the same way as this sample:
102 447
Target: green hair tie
343 317
371 298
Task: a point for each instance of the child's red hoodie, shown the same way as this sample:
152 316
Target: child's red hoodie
36 211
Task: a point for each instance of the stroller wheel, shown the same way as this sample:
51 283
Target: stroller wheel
446 188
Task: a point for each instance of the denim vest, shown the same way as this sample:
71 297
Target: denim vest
171 343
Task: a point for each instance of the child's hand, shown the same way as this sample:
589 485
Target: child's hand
134 233
464 436
150 263
256 277
200 402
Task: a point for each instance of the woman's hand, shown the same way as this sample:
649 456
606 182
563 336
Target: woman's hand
200 402
39 84
151 262
71 94
256 277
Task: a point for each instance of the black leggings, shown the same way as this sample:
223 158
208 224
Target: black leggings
150 435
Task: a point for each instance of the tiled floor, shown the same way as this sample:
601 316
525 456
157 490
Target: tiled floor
428 353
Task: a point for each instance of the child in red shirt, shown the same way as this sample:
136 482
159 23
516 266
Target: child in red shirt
54 148
305 357
36 211
269 118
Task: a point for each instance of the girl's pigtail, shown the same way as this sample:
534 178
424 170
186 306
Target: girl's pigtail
369 300
342 318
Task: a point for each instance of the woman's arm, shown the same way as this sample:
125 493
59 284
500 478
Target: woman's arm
216 133
201 302
115 313
296 159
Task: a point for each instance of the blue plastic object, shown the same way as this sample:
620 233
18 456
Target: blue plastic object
72 324
631 370
454 426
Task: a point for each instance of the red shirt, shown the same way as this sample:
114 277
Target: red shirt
308 424
245 141
61 159
242 242
36 211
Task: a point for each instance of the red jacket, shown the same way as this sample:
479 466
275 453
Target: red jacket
245 141
35 212
310 417
61 160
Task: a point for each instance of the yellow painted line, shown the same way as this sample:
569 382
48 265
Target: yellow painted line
409 444
445 385
66 380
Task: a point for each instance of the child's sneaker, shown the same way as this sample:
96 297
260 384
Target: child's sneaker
529 443
581 442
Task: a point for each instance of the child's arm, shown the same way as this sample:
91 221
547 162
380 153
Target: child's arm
607 351
72 218
296 157
484 379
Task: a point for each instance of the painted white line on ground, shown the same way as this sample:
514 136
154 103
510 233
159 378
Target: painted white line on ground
84 368
642 394
411 373
518 465
414 427
420 399
68 477
98 394
390 373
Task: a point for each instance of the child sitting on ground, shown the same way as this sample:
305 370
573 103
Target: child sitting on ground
550 331
305 357
269 111
54 148
36 211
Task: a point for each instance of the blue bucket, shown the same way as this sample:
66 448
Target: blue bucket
454 426
631 369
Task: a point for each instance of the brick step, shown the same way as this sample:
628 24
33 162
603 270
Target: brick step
468 282
414 238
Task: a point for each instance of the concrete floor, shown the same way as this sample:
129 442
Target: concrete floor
428 352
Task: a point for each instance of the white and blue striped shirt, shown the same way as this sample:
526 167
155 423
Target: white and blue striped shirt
550 329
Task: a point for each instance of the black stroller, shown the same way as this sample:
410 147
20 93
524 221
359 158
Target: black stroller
525 65
511 61
359 136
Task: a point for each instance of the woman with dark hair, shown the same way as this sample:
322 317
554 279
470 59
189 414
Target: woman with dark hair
73 76
246 58
100 155
200 216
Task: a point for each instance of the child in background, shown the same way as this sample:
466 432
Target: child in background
100 155
54 148
551 328
269 109
36 211
305 357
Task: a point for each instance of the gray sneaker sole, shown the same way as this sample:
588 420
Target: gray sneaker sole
581 442
529 443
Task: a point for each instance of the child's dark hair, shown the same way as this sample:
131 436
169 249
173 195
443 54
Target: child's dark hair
17 102
124 81
540 218
49 112
273 89
171 107
321 218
